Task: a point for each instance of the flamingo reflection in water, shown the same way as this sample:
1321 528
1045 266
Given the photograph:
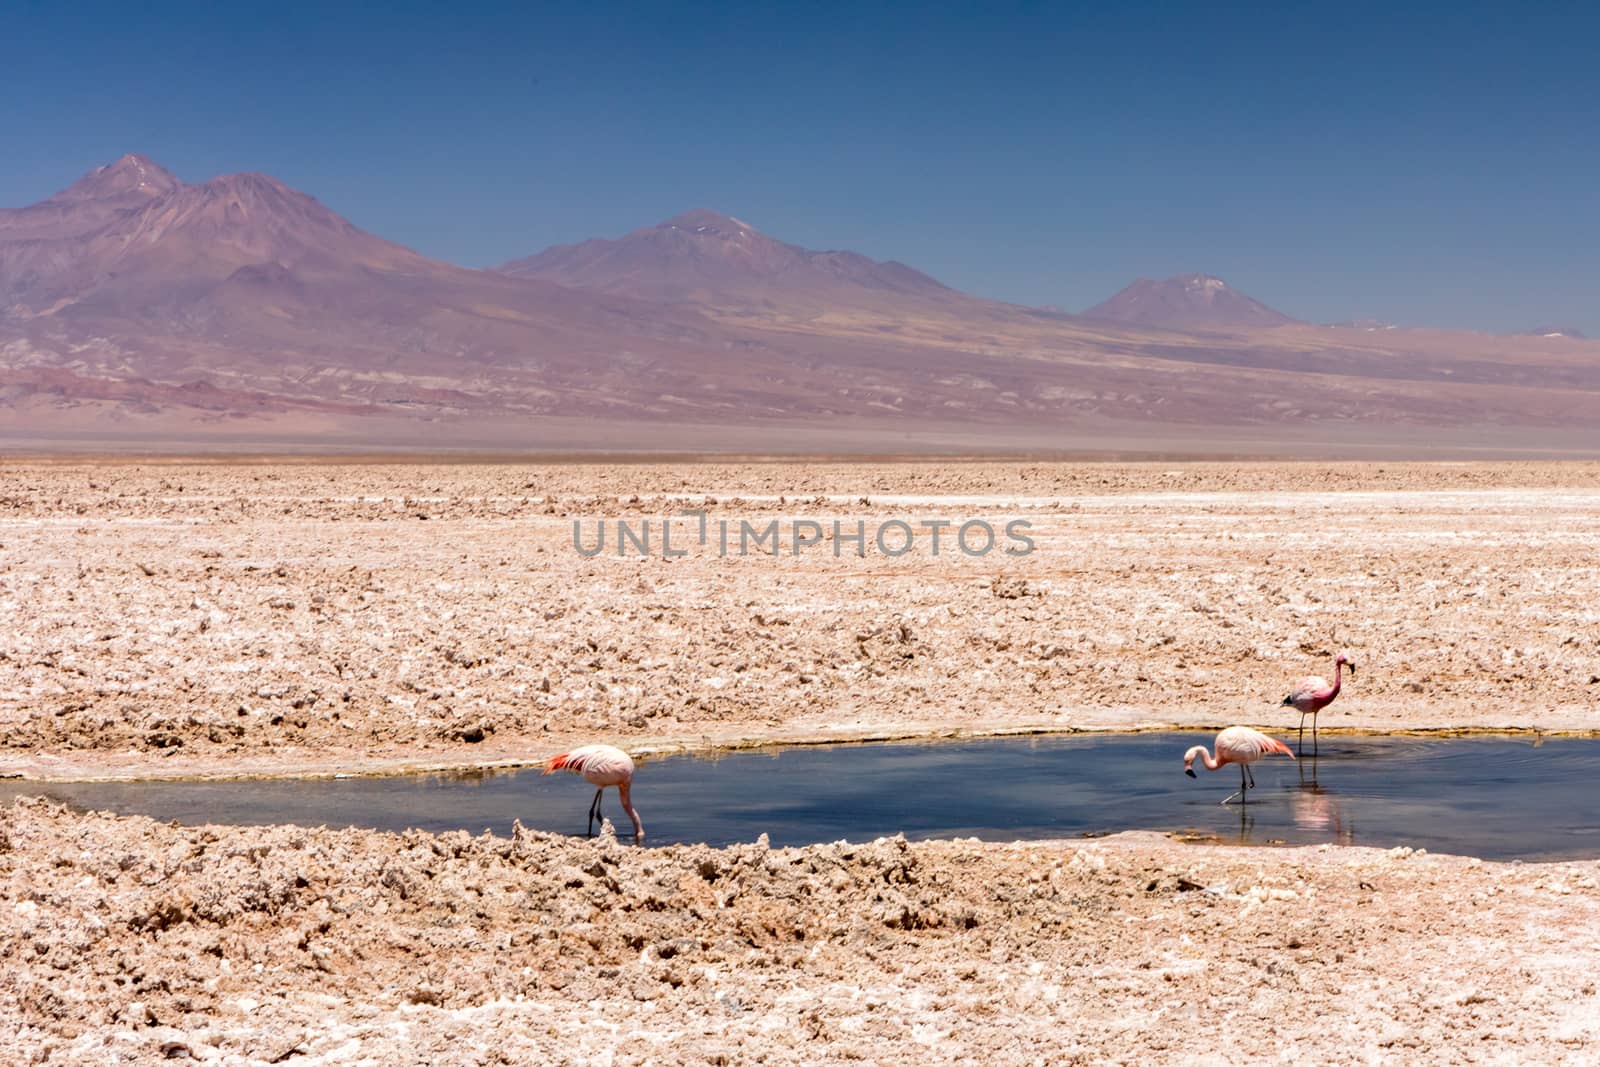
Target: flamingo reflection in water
1315 807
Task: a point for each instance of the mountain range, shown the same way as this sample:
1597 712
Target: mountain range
136 305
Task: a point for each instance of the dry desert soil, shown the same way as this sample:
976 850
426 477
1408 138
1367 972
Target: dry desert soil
170 619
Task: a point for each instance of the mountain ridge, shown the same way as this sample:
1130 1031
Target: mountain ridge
704 255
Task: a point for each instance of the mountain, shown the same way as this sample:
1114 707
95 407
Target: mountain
1186 302
135 306
132 230
706 258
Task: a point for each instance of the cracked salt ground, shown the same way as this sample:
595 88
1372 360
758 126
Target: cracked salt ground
1492 797
264 620
134 941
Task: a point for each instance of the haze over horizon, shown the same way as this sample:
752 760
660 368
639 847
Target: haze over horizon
1424 168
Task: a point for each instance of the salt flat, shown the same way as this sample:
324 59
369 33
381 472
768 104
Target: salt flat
171 620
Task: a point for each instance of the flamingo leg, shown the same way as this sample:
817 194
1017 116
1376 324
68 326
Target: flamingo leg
1301 744
1251 774
1240 794
1313 735
594 811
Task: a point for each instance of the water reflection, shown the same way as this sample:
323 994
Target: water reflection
1247 825
1316 807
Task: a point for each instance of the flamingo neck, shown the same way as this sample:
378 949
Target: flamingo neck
1338 677
1199 751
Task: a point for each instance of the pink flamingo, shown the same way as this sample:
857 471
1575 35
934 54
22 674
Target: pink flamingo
601 766
1236 744
1312 694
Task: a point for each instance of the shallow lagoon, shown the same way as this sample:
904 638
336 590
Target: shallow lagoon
1496 797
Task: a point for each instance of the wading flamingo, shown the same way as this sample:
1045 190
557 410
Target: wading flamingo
601 766
1236 744
1312 694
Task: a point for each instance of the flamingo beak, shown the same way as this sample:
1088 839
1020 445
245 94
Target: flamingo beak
1352 667
1190 772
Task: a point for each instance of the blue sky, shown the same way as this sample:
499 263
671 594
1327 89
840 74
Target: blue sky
1435 165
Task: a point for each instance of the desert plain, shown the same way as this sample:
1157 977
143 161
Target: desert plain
238 619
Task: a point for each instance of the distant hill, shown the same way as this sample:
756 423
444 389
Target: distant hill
1186 302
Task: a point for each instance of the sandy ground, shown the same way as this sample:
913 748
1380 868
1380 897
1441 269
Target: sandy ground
169 619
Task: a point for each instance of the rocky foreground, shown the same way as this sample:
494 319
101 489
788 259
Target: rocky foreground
129 941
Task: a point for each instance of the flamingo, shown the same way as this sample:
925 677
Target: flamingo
601 766
1236 744
1312 694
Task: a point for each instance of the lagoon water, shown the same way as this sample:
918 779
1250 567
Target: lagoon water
1494 797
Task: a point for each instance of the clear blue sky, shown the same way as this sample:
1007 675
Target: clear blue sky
1423 164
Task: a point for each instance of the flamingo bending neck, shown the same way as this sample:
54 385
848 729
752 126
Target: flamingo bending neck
627 806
